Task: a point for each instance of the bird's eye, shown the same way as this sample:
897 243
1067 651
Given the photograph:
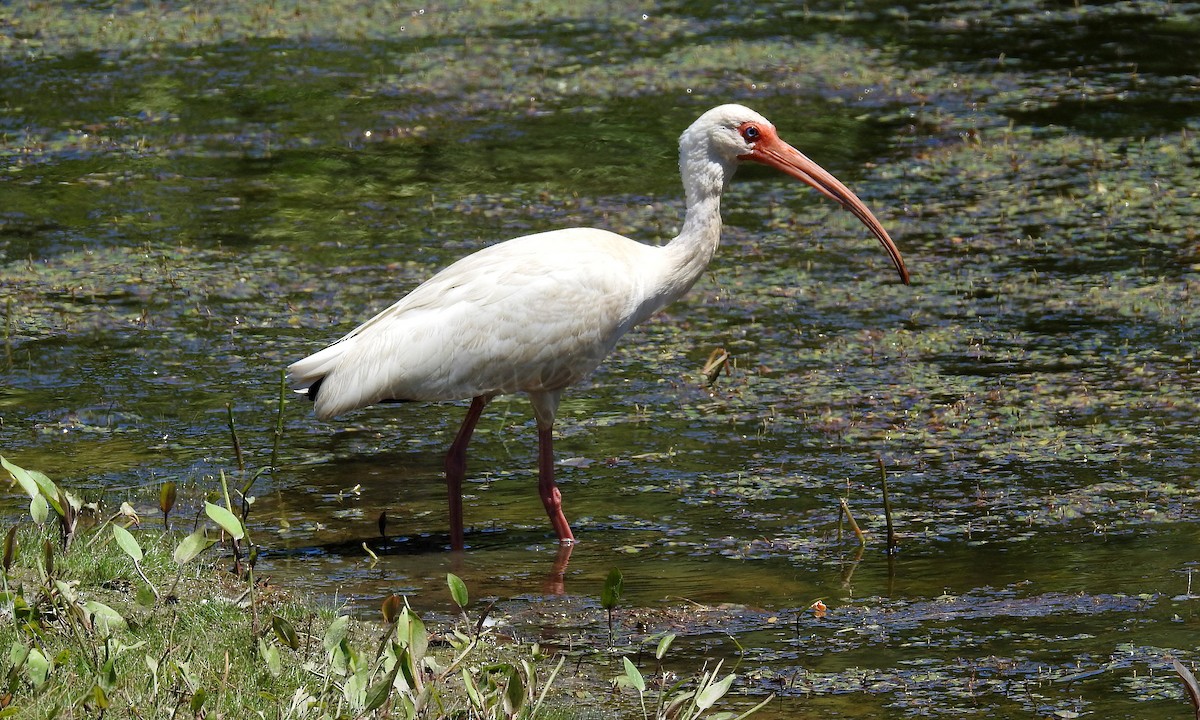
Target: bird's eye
750 133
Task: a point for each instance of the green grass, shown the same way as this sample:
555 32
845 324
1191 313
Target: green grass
195 648
100 620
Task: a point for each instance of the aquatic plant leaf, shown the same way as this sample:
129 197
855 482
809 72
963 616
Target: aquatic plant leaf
611 593
37 665
227 520
192 545
104 618
337 632
166 498
663 644
38 486
458 590
378 693
409 677
270 655
17 654
128 543
10 547
198 699
146 596
634 675
50 492
38 509
472 689
391 607
713 692
21 475
415 636
285 632
514 692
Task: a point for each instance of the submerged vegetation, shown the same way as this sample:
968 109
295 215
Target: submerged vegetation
192 195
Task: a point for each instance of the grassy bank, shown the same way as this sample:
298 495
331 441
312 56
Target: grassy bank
103 617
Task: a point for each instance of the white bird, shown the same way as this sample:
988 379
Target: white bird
538 313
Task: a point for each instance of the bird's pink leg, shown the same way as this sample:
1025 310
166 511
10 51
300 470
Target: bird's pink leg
551 497
456 469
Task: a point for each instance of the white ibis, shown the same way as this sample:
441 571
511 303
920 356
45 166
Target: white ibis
538 313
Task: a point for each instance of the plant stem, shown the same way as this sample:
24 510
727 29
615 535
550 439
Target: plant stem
279 420
887 509
862 539
237 445
8 329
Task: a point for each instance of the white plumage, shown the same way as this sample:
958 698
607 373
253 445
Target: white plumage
538 313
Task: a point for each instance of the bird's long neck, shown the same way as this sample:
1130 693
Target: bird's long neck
689 253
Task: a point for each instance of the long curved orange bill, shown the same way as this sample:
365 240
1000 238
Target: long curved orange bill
769 149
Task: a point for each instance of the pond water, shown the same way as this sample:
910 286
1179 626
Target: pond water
192 197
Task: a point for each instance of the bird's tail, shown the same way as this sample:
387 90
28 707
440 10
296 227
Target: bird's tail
305 376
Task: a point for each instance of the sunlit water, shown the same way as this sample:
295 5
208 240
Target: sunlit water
177 224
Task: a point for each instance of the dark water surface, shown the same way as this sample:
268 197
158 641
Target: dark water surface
187 205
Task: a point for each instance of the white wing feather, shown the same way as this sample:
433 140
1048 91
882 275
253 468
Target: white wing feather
535 313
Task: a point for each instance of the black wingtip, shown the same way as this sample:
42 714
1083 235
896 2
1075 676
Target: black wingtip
312 390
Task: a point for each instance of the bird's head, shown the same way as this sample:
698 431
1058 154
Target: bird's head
732 134
728 132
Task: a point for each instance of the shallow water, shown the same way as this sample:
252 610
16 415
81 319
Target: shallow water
187 206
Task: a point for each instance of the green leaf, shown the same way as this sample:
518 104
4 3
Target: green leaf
407 668
192 546
613 585
227 520
99 698
128 543
105 618
38 667
416 637
336 633
714 692
270 655
458 590
285 632
22 476
198 699
663 644
145 596
634 675
34 483
354 689
472 690
10 547
166 497
38 509
514 692
48 490
41 490
378 694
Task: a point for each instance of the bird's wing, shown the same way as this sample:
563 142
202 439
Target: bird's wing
535 313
